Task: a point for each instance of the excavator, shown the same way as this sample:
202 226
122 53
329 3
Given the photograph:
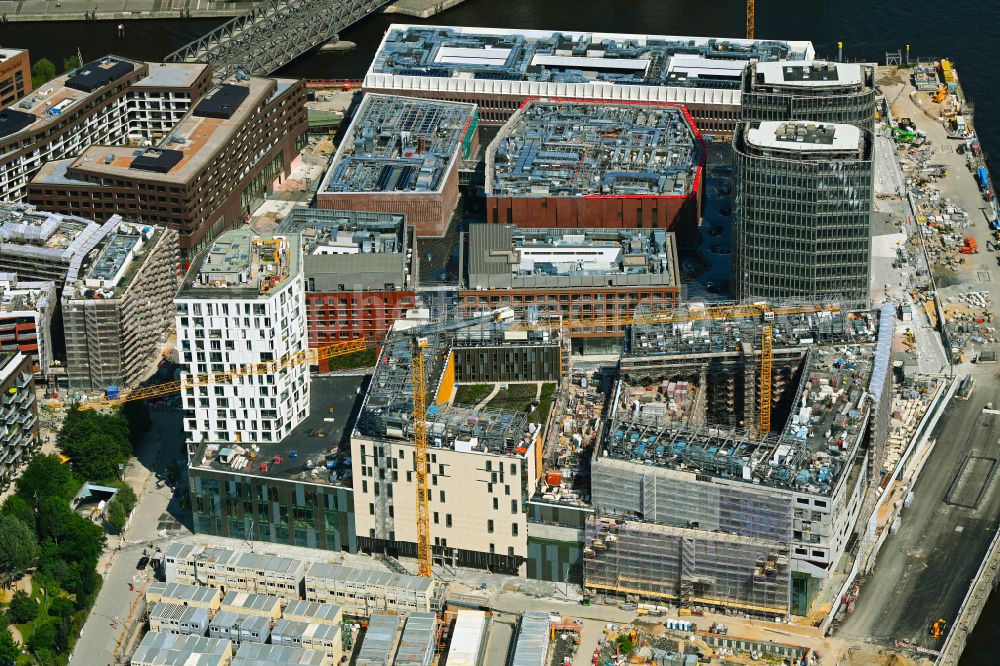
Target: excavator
937 629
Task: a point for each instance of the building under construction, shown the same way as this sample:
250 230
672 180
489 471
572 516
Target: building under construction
826 92
118 307
570 164
703 509
401 155
499 68
483 460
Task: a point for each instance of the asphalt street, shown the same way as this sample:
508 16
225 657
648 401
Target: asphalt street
924 570
154 518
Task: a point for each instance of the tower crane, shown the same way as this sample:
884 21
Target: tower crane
307 356
750 19
419 342
700 313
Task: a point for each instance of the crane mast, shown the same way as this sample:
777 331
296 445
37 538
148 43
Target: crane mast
750 19
424 561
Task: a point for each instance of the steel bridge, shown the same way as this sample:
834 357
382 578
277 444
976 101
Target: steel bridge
272 34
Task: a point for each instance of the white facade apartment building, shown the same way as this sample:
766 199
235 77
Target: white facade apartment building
242 305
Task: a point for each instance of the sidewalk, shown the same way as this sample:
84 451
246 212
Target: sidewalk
103 10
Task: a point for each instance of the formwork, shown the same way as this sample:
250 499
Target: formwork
686 566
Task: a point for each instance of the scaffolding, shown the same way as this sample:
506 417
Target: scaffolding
686 566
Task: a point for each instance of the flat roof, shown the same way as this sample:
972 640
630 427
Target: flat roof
198 138
316 439
221 101
30 233
350 250
569 148
560 57
63 94
7 54
243 264
401 145
119 258
387 411
799 136
171 75
98 74
503 256
810 73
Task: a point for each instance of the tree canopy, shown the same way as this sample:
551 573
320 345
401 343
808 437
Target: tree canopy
17 548
44 477
9 648
22 608
96 443
42 71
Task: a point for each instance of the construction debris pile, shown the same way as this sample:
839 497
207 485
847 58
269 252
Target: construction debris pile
660 403
908 406
568 478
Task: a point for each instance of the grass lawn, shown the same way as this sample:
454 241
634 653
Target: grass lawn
472 394
365 358
544 404
28 628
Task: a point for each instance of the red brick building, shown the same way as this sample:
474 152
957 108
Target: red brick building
360 271
579 164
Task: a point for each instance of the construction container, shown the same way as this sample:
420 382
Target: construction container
467 639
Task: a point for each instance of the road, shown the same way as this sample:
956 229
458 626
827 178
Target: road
925 569
76 10
153 520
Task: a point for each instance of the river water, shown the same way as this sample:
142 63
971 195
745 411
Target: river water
962 30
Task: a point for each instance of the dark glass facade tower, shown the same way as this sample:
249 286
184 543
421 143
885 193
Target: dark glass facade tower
802 211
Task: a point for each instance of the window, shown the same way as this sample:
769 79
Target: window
496 503
447 520
489 526
513 529
513 506
441 495
371 509
436 522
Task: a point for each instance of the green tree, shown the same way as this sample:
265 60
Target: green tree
45 477
96 443
116 517
625 644
10 649
44 637
42 72
71 63
60 606
21 509
126 497
22 608
17 549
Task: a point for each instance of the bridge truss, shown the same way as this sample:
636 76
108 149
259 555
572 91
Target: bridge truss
272 34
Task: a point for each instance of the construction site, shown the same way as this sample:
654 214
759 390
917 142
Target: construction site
579 164
688 462
401 155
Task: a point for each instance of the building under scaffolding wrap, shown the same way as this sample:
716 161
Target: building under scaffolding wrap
661 562
794 495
